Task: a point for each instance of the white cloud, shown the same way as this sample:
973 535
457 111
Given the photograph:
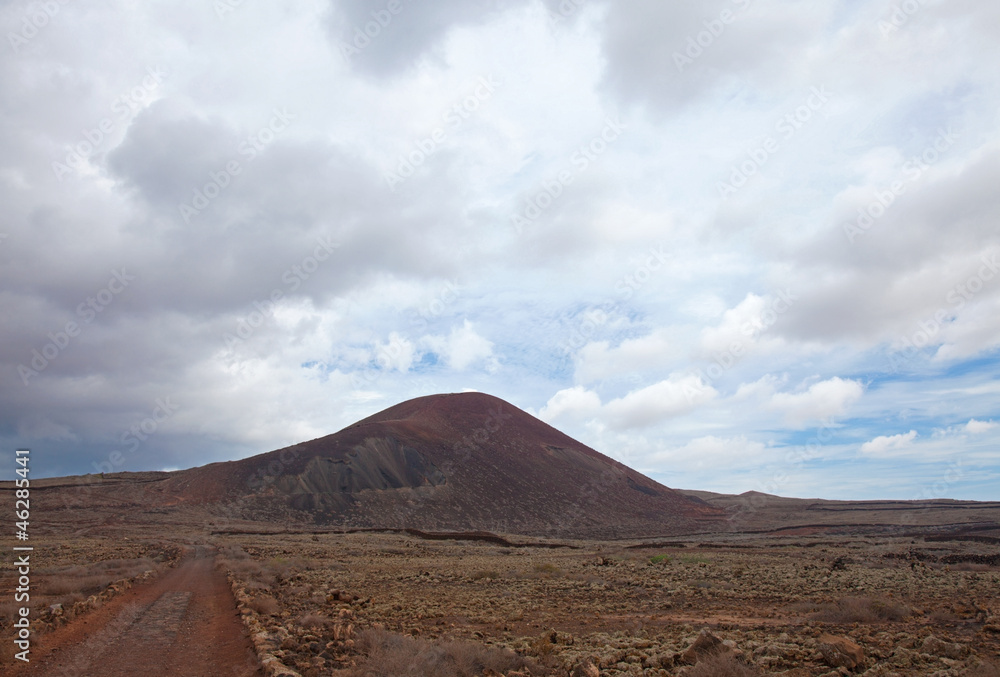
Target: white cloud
824 400
974 427
884 444
397 353
712 452
653 404
463 348
672 397
571 403
759 391
597 361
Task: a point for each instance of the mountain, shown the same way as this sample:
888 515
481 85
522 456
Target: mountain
454 462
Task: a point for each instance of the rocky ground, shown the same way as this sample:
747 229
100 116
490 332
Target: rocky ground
400 604
320 603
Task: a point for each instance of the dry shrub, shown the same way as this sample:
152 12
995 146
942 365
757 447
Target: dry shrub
392 655
863 610
722 664
64 585
943 617
547 570
92 578
265 605
806 607
480 575
312 621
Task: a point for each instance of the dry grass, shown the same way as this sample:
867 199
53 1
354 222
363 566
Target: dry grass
313 621
91 578
480 575
863 610
391 655
265 605
722 665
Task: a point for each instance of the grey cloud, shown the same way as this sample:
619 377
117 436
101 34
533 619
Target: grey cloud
381 38
669 55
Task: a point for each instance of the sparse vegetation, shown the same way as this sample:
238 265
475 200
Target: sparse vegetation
388 654
486 575
264 604
722 665
615 610
659 559
862 610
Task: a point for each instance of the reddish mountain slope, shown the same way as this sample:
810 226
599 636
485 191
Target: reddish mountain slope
465 461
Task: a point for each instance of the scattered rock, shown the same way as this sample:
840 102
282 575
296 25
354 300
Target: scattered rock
586 669
840 652
937 647
704 645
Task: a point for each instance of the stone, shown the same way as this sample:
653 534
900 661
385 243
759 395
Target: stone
586 669
840 652
705 644
937 647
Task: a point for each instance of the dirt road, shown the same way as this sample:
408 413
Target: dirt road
184 624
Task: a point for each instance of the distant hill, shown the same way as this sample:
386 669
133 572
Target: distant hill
465 461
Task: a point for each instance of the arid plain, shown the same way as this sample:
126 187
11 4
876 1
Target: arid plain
398 547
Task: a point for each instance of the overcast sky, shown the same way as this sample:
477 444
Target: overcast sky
735 244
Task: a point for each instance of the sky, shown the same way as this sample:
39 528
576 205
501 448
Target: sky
735 244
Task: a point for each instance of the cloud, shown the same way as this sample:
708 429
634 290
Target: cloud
597 360
397 353
641 408
381 40
713 452
463 348
571 403
974 427
883 444
310 291
654 404
824 400
670 56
